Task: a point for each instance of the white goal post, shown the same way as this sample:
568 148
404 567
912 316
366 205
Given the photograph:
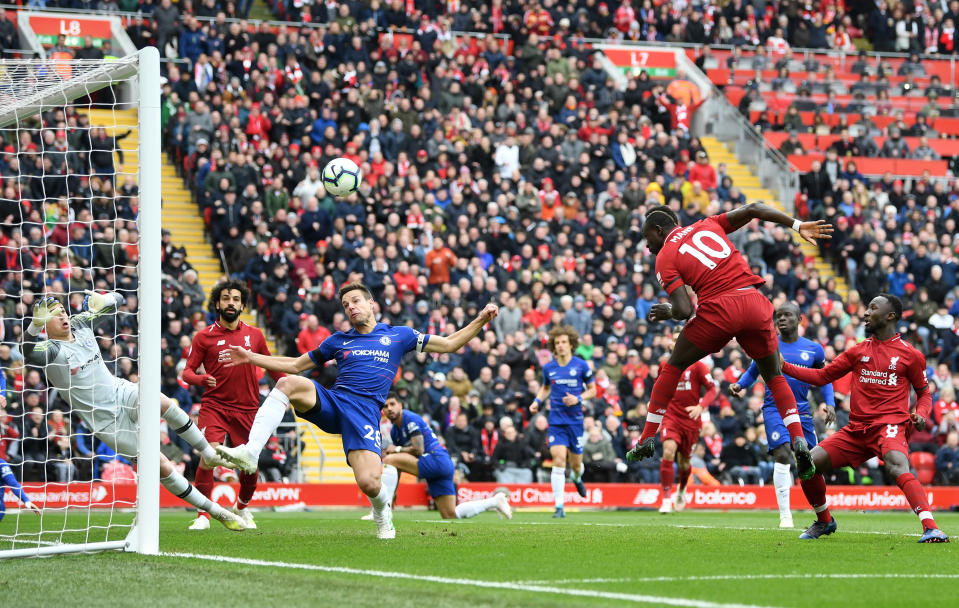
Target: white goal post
29 88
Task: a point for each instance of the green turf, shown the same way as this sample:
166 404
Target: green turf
754 563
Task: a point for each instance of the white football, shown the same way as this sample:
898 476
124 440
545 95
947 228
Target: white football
341 177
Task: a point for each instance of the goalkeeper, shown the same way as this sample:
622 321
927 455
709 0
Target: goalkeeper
108 405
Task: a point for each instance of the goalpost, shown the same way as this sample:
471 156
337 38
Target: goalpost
58 227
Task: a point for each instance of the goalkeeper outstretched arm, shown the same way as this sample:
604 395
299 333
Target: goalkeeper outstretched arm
49 314
97 306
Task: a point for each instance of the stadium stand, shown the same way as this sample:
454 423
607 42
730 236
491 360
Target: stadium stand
502 164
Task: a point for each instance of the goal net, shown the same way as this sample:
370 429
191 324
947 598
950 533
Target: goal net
80 212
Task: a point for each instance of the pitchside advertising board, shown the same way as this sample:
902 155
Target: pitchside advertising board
598 496
74 30
633 60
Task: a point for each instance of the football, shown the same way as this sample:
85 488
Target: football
341 177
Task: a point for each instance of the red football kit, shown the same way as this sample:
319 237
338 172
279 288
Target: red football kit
677 425
229 407
882 373
729 306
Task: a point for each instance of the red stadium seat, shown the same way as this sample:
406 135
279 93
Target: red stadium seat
925 465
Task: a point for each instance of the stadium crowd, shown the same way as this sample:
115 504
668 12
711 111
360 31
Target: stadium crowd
495 170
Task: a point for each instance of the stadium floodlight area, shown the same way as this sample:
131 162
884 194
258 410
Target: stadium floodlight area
93 226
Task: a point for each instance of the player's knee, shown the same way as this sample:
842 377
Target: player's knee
895 466
782 454
369 483
285 385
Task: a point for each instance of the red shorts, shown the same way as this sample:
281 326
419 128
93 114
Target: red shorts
217 424
852 448
744 314
684 436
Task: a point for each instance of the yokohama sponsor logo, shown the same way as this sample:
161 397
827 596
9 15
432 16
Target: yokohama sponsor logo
719 497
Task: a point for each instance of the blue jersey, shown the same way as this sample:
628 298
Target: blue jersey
7 478
410 425
562 380
367 363
805 353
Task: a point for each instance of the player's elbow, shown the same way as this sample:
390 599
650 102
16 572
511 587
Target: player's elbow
682 310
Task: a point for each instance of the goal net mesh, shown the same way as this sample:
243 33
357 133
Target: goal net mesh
69 202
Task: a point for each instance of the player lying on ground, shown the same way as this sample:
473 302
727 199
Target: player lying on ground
567 382
682 426
416 451
730 306
798 351
8 479
106 404
883 367
367 358
231 395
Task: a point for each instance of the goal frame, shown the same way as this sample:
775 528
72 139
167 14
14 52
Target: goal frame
144 534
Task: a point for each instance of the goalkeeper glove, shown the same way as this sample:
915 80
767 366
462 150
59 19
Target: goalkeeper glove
44 310
95 302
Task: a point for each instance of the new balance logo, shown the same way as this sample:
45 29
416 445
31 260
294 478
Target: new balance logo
221 343
865 359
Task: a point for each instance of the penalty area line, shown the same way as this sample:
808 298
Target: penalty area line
730 577
466 582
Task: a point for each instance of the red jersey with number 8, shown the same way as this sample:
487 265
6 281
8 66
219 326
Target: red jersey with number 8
702 257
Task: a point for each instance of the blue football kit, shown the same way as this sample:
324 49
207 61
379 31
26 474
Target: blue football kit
805 353
367 364
566 421
435 465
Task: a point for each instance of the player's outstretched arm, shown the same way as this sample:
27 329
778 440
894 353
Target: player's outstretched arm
288 365
840 366
97 306
457 340
811 231
746 381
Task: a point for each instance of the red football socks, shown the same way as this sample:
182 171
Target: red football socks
786 404
684 477
815 491
663 391
204 483
916 496
247 488
666 476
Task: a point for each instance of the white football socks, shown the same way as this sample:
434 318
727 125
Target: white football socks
557 479
577 473
180 423
268 417
389 479
474 507
782 480
181 488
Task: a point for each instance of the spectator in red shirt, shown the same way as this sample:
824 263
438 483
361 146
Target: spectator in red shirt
541 315
257 125
439 261
703 172
312 335
405 280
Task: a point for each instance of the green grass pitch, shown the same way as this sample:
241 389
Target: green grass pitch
331 558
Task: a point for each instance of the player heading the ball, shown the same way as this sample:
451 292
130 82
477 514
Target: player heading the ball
730 306
367 357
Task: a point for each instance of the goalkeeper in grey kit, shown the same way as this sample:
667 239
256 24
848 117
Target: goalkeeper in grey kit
107 404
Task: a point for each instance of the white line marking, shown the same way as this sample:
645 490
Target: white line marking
462 522
606 595
730 577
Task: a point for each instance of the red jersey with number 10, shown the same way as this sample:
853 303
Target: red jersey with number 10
702 257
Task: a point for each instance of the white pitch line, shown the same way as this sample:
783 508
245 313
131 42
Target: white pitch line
466 582
729 577
660 523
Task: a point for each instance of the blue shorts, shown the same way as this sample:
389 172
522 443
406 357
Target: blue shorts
342 413
569 435
437 469
776 432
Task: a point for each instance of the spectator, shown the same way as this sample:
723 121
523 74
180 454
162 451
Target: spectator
947 460
512 457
